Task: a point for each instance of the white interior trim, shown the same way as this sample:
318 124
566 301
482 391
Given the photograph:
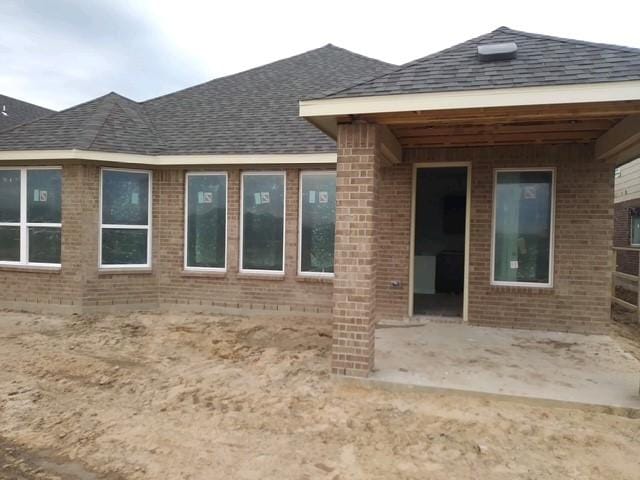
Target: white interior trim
302 273
283 174
24 224
170 160
148 226
467 230
552 220
498 97
187 267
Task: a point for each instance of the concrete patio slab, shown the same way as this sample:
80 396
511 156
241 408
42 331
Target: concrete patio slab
563 367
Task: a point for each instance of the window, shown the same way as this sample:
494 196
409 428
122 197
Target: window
635 229
125 218
523 227
206 221
317 223
30 216
262 222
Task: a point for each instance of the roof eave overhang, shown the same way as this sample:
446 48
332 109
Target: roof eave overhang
324 112
167 160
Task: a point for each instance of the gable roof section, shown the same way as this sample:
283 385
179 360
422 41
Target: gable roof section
17 112
253 112
541 61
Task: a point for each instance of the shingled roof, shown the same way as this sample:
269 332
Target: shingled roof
253 112
541 60
15 112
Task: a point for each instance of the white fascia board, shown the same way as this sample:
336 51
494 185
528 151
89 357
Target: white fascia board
498 97
169 160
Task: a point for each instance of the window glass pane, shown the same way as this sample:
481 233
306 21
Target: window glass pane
9 195
635 230
125 198
262 217
122 246
9 244
206 220
44 245
44 190
523 227
318 211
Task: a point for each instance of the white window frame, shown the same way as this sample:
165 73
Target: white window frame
631 217
283 174
302 273
187 267
148 227
24 225
552 220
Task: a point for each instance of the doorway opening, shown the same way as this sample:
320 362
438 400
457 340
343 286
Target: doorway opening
440 241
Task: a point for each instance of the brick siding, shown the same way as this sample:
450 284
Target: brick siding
627 262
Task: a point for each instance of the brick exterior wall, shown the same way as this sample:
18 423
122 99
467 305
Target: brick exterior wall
627 262
372 249
80 286
579 299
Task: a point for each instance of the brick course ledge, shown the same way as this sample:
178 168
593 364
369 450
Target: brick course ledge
312 279
32 269
261 276
202 273
124 271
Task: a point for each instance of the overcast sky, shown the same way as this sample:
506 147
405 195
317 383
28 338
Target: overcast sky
57 53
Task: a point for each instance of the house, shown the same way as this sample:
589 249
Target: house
474 184
15 112
627 216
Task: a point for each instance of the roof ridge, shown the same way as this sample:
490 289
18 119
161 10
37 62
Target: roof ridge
125 105
100 115
570 41
404 65
328 45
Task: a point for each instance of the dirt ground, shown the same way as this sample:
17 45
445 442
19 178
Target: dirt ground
148 396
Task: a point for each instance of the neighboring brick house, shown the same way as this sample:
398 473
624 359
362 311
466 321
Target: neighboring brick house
475 183
14 112
627 215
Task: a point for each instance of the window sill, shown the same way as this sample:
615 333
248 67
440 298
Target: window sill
315 279
541 290
261 276
125 271
31 268
203 273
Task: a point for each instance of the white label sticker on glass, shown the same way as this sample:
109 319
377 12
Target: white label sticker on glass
529 192
43 195
514 264
207 197
135 198
265 197
323 197
36 195
256 198
312 196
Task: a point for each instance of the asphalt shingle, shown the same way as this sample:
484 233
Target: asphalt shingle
541 60
15 112
251 112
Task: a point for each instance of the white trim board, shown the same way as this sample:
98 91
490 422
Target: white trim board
170 160
498 97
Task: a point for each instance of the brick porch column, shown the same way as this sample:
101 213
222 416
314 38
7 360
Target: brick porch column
354 297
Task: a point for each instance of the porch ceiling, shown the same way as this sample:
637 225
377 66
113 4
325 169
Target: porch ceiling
563 123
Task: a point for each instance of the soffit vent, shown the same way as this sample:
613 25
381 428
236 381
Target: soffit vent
492 52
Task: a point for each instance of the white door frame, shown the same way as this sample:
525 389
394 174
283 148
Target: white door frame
465 296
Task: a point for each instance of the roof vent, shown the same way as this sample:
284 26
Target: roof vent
491 52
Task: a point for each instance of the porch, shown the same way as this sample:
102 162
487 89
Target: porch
538 366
